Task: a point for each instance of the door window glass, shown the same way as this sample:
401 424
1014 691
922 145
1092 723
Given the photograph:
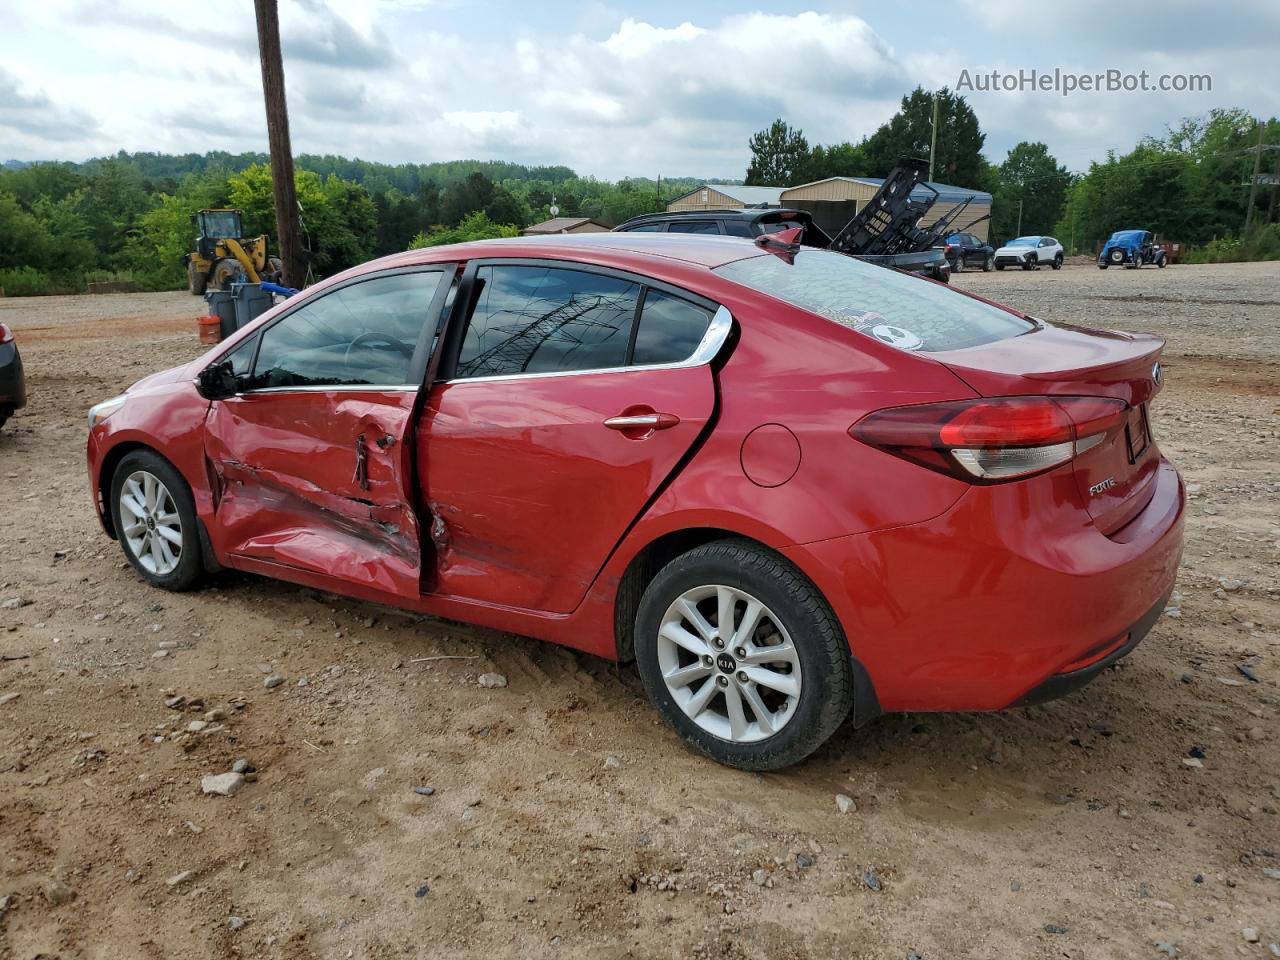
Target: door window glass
647 228
361 334
546 319
737 228
670 329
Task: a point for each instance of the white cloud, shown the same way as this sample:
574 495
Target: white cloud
608 92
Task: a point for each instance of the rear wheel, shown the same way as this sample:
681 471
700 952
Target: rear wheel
988 263
1057 261
155 518
196 279
742 656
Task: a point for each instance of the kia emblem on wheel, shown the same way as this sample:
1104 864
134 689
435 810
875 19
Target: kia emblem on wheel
1155 373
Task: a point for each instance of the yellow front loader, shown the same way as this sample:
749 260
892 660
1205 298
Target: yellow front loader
223 256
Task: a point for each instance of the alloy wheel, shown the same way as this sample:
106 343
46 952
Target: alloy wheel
729 663
150 523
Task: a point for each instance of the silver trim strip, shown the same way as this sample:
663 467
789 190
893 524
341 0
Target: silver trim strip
717 333
342 388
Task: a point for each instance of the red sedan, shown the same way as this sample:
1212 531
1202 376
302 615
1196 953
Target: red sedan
789 484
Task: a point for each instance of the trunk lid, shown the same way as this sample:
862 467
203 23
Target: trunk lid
1115 476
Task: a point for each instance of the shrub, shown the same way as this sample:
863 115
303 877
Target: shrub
476 226
1261 243
24 282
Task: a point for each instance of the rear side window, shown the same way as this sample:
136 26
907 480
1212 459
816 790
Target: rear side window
670 329
894 308
647 228
737 228
541 320
693 226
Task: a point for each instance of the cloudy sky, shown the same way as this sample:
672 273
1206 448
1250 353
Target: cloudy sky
611 89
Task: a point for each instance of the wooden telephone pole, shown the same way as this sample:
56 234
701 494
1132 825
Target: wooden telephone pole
288 233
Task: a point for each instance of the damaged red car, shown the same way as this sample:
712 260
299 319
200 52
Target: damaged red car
790 485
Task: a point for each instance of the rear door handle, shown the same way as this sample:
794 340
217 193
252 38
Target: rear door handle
643 421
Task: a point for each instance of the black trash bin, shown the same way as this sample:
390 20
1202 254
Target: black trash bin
251 301
222 305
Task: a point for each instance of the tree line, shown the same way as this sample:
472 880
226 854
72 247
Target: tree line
129 217
1186 186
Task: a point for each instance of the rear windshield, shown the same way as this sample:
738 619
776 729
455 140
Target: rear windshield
895 308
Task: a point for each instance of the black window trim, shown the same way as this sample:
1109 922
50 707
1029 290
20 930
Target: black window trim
464 303
418 363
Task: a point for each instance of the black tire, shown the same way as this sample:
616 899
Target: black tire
988 263
3 421
1117 257
959 267
1057 261
1161 261
190 567
223 274
826 689
1030 264
196 280
275 267
999 266
1101 265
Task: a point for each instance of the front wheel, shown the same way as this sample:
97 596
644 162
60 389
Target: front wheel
1057 262
742 656
988 263
999 266
1161 261
1029 264
155 518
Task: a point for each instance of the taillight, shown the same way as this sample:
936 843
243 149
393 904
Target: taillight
992 440
6 335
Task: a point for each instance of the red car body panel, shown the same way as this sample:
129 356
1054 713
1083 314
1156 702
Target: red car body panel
508 503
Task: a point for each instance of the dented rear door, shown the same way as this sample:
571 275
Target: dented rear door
559 418
312 461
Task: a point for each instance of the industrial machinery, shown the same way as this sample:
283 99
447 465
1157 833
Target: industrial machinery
223 255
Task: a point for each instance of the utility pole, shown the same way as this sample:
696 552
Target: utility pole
1253 181
659 191
933 136
286 200
1018 232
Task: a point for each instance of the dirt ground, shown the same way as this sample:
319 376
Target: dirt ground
564 820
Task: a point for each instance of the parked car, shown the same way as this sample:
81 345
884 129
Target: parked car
1030 253
968 250
751 223
787 483
1131 249
13 384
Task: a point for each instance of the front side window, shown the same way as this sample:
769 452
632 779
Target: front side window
532 319
647 228
670 329
362 334
894 308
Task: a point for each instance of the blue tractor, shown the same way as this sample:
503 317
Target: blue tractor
1130 249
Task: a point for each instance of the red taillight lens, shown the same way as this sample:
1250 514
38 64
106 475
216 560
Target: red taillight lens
992 440
6 335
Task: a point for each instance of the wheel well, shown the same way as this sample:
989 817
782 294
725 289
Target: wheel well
644 566
105 472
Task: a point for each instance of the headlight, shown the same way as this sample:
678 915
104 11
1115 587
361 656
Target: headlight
100 411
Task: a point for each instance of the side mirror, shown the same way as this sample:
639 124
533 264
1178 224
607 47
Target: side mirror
218 381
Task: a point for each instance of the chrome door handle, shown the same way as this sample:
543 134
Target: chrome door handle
643 421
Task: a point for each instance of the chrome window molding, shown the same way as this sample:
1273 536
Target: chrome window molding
336 388
710 345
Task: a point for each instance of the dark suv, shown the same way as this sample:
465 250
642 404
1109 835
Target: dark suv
968 250
755 222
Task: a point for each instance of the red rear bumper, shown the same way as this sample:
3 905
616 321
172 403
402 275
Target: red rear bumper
978 608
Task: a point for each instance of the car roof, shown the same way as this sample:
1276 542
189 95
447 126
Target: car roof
694 249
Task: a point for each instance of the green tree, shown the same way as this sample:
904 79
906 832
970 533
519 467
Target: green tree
1032 177
837 160
908 134
778 154
475 226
